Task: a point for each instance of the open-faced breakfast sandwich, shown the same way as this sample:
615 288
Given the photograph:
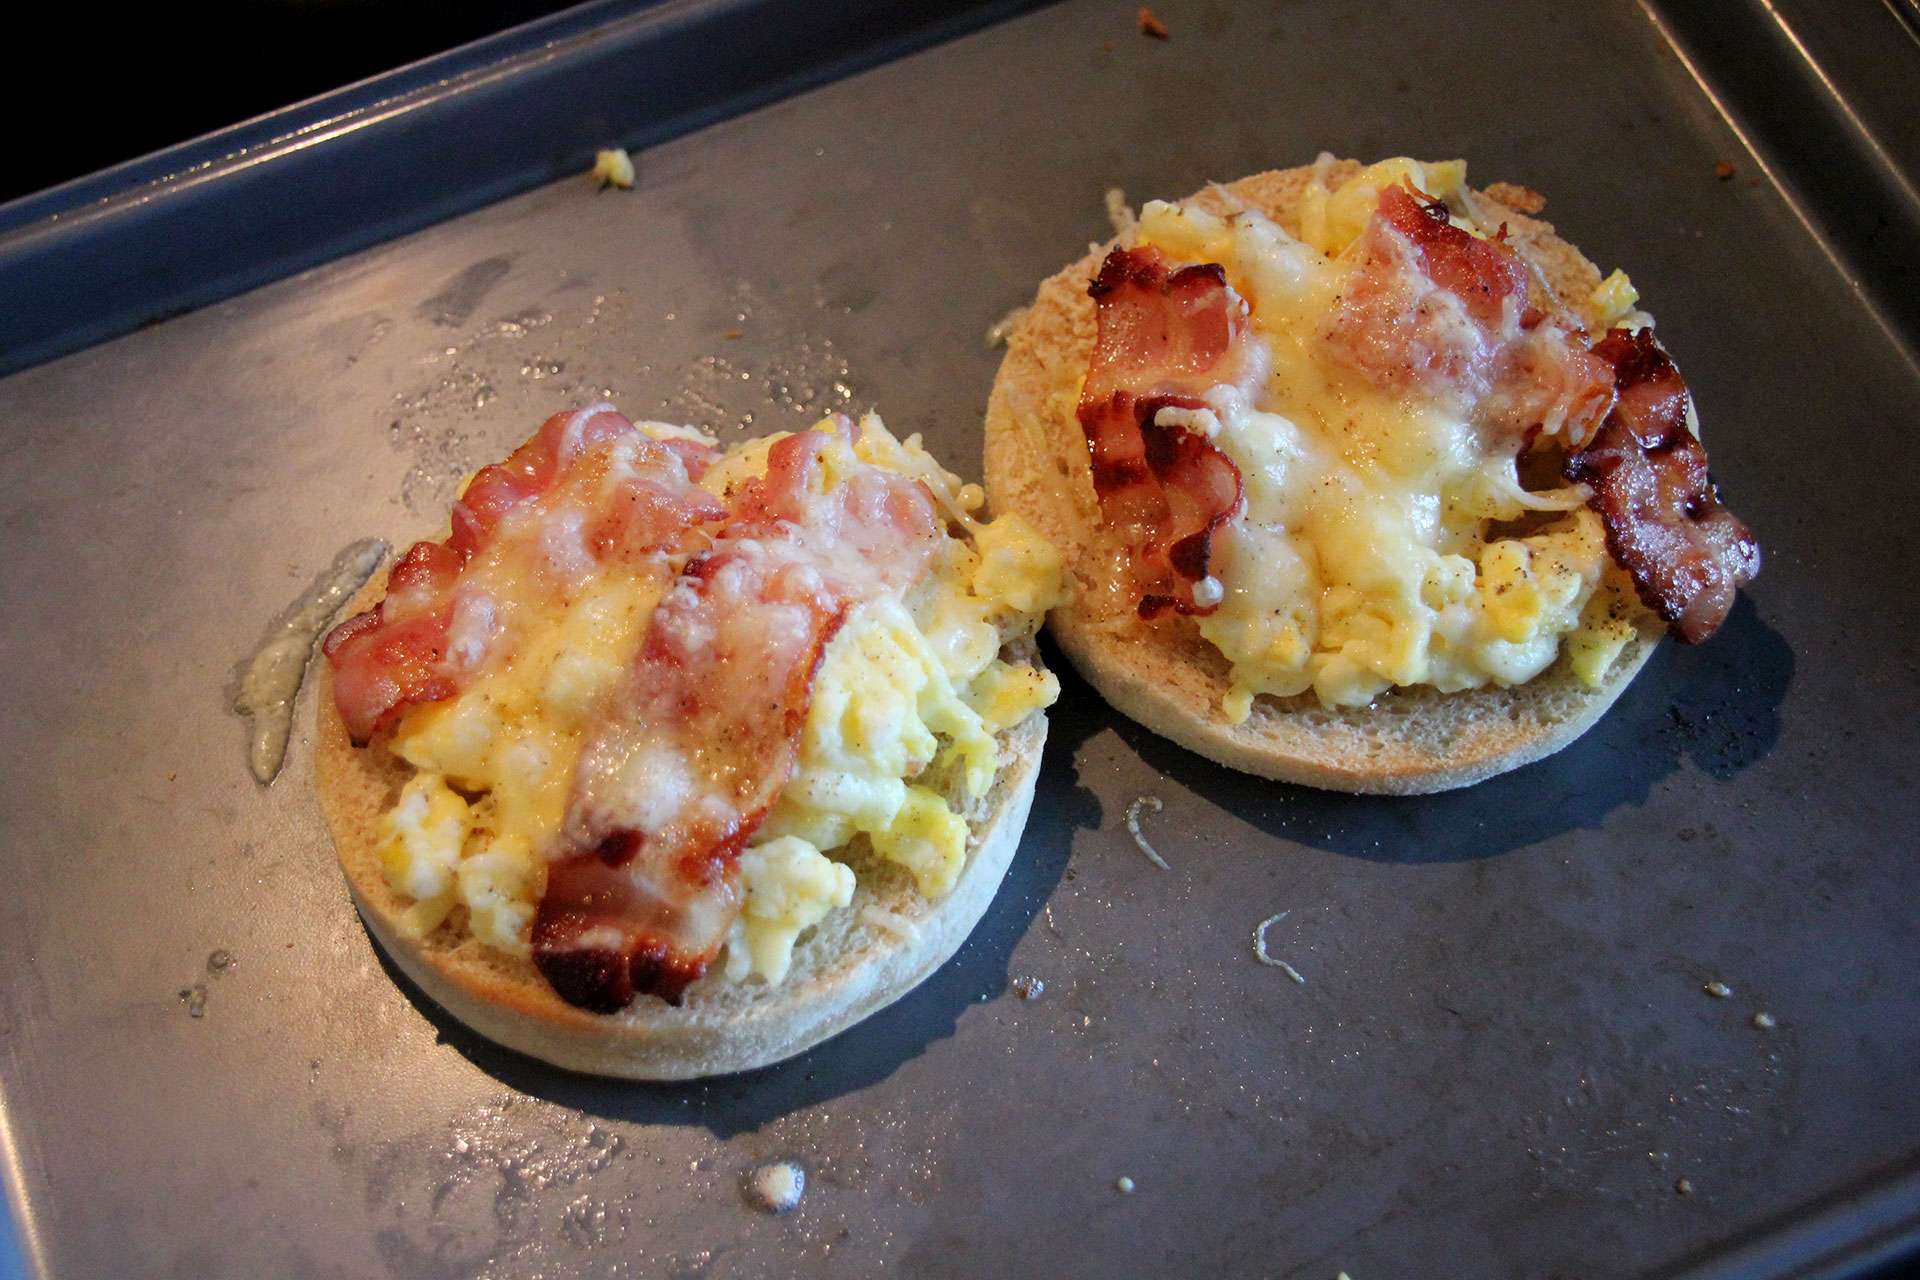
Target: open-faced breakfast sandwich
1365 479
666 761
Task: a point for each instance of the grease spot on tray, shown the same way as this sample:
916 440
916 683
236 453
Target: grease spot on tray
462 295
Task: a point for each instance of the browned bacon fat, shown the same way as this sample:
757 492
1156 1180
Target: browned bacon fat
1436 310
1485 275
688 762
1665 522
1166 337
588 488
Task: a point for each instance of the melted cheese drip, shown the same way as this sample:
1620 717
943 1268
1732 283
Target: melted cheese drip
1363 559
272 679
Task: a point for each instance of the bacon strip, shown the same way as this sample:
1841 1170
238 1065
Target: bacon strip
1484 274
428 636
390 657
1166 336
688 763
1664 520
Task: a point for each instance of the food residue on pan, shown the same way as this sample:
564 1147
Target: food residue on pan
272 679
1764 1021
1124 1185
195 996
613 167
1028 987
1718 990
777 1187
1151 25
1133 827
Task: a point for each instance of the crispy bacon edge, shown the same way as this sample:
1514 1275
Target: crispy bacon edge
1483 274
1665 523
594 891
1164 337
392 656
606 928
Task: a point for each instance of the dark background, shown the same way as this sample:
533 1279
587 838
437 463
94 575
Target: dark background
90 88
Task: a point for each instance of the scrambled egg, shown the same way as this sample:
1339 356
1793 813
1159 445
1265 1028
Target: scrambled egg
910 689
1364 559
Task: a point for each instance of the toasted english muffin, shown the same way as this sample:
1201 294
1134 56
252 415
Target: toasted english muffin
913 721
1162 672
857 961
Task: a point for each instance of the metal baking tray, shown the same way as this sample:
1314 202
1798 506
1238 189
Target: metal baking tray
1502 1060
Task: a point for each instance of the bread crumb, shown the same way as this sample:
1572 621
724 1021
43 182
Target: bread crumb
1718 990
1516 197
1764 1021
1683 1187
777 1187
1124 1185
613 167
1150 25
731 334
1724 170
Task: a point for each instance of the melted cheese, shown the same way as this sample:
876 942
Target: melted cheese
1364 558
910 689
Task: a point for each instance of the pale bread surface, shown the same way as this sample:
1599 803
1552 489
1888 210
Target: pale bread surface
848 966
1164 674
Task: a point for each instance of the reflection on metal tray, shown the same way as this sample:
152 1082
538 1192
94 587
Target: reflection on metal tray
1502 1060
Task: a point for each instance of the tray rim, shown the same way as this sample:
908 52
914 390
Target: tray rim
1848 1231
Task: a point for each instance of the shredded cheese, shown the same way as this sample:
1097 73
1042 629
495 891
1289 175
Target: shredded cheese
890 921
1133 826
1260 947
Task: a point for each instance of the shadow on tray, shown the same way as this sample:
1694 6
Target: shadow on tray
1716 704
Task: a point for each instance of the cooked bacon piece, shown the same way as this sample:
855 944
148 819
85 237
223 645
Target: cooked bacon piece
1164 330
1547 380
590 469
706 731
1437 311
1485 274
390 658
1665 524
1429 307
1166 337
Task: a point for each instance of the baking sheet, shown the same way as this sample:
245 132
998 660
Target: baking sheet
1502 1060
